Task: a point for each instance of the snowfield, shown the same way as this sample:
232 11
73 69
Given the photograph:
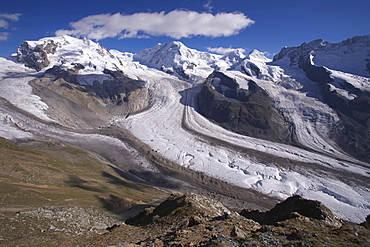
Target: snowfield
173 128
14 87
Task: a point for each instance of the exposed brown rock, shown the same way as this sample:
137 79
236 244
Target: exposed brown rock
35 57
291 208
86 106
366 224
236 232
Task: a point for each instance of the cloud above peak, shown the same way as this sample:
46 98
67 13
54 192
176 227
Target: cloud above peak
4 23
175 24
224 50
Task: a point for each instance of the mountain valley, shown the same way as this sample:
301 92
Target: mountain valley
83 126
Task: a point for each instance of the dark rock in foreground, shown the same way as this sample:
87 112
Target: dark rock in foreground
291 208
366 224
194 220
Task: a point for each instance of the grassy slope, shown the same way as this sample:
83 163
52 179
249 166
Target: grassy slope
59 175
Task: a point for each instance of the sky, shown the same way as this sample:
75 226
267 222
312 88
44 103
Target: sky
207 25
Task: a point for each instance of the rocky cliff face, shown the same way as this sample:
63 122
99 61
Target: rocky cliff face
75 105
352 133
246 111
35 57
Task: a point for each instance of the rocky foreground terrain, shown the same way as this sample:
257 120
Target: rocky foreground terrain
186 220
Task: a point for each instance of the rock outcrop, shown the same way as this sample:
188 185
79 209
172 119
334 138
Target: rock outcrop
193 220
366 224
190 209
89 105
187 220
35 57
249 112
291 208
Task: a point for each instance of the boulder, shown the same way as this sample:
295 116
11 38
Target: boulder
289 209
236 232
188 209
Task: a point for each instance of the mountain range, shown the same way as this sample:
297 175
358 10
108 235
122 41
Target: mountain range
245 126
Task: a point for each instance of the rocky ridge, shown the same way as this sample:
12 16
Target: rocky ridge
290 208
193 220
246 111
350 56
190 220
348 95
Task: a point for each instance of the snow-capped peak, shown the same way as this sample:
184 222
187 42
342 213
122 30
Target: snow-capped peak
256 55
350 56
316 111
175 58
164 53
254 64
237 53
173 51
234 57
67 51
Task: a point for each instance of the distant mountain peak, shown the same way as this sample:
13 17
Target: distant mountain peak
175 43
66 51
237 52
350 56
176 58
258 55
234 57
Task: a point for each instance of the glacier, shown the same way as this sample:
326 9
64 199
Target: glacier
317 169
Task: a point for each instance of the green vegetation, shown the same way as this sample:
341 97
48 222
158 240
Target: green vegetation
54 174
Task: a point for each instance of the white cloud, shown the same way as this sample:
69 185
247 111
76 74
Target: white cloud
4 23
11 17
5 18
208 6
176 24
4 36
223 50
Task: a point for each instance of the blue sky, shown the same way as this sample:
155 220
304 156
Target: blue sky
266 25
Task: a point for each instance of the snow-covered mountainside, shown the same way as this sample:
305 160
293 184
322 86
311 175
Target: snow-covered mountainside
83 78
70 53
175 58
297 124
341 73
349 56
